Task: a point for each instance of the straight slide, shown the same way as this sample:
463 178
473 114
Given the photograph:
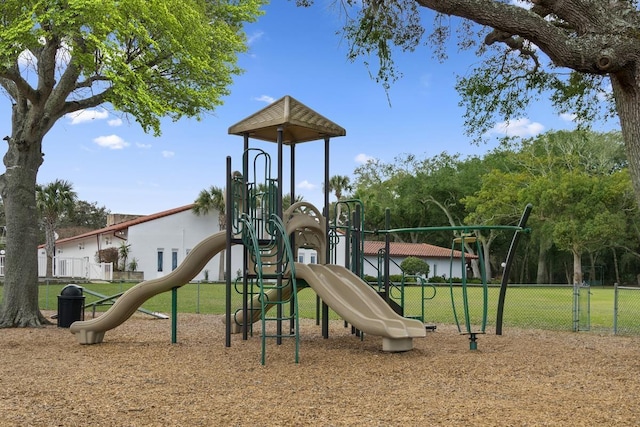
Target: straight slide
92 331
358 304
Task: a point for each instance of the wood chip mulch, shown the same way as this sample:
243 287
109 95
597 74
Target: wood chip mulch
137 377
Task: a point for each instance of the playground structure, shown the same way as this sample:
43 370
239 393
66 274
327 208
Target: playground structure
271 237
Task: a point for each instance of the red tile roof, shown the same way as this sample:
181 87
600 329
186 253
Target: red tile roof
420 250
126 224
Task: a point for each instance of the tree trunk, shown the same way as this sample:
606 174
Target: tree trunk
18 188
593 276
50 247
475 265
577 267
615 265
486 252
626 90
541 272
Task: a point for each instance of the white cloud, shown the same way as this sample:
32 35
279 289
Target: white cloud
82 116
115 122
568 117
522 3
518 127
363 159
306 185
27 60
254 37
605 93
168 154
265 98
112 142
141 145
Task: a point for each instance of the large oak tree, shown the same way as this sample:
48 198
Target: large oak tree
146 58
583 54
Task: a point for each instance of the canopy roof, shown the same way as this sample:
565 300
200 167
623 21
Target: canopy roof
298 122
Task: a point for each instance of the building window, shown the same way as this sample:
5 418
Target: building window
160 259
301 258
313 258
174 259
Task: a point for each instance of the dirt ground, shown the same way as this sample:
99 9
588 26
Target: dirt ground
136 377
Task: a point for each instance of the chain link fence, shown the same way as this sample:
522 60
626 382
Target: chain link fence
599 309
626 310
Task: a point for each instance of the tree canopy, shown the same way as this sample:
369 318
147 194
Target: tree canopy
54 200
578 182
583 55
148 59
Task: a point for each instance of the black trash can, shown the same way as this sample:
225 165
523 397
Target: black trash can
70 305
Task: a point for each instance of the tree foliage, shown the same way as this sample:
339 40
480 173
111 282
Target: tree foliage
148 59
54 200
87 215
212 199
209 200
579 185
413 265
578 182
583 55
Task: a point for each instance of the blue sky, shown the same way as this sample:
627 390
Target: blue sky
293 51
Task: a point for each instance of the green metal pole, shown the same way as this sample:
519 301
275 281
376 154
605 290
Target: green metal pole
174 315
198 298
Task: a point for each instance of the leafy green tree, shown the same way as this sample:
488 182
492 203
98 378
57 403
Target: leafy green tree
372 186
398 186
419 193
577 52
53 201
86 215
146 58
213 199
339 184
286 201
123 254
579 186
414 265
588 214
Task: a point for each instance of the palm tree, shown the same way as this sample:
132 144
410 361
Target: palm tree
53 201
338 184
213 199
286 201
123 253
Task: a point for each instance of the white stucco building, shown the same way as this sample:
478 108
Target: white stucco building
161 241
440 260
158 242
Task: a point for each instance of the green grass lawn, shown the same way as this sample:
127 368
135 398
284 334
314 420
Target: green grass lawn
525 306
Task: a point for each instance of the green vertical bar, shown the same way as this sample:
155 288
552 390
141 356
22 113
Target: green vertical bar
615 308
174 315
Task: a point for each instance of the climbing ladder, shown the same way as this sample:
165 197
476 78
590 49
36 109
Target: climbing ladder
269 253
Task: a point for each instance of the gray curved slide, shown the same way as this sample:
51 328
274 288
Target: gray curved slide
255 308
358 304
92 331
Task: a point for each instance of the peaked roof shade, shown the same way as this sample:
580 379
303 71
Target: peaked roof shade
299 123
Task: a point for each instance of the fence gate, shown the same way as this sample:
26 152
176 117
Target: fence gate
581 307
100 271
